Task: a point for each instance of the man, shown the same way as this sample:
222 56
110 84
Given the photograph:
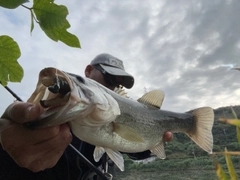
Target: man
44 153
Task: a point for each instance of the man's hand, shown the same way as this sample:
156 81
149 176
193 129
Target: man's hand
36 149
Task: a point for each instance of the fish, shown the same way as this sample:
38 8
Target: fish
115 124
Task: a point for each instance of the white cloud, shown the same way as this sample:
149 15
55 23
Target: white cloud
6 99
184 48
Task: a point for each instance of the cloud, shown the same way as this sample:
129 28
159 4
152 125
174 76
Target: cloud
184 48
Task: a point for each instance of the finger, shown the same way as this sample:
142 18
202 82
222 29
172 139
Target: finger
50 158
46 161
35 136
22 112
3 124
62 135
17 135
45 154
167 136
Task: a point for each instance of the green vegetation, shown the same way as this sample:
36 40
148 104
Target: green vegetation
185 160
51 19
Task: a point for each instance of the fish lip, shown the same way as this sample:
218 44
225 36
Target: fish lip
56 101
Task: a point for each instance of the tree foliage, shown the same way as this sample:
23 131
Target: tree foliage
52 20
11 4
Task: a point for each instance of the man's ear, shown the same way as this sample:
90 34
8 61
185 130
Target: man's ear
88 70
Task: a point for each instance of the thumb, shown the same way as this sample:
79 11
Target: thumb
21 112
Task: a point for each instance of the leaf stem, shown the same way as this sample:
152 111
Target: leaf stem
26 7
31 10
34 16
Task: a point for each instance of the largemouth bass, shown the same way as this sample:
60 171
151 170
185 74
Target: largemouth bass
114 123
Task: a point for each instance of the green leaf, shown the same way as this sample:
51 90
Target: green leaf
64 36
50 15
238 133
220 172
52 20
228 153
230 166
234 113
12 4
32 22
237 127
235 122
10 70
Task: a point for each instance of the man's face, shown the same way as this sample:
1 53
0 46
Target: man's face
98 76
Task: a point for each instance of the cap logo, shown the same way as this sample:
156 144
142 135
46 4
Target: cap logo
116 63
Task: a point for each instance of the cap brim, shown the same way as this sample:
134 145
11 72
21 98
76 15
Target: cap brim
128 79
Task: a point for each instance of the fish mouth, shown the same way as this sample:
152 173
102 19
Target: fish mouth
59 92
52 93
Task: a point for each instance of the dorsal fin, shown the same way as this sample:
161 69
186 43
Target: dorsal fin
153 98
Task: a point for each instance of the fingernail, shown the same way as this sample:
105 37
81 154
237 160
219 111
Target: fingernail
29 112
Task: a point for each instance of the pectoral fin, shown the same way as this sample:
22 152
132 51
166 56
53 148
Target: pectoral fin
159 151
98 153
127 132
116 157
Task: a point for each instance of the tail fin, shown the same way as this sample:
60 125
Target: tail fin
202 133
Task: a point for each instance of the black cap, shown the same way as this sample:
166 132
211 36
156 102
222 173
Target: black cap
114 66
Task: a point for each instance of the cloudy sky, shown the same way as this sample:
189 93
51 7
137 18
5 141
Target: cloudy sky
184 47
